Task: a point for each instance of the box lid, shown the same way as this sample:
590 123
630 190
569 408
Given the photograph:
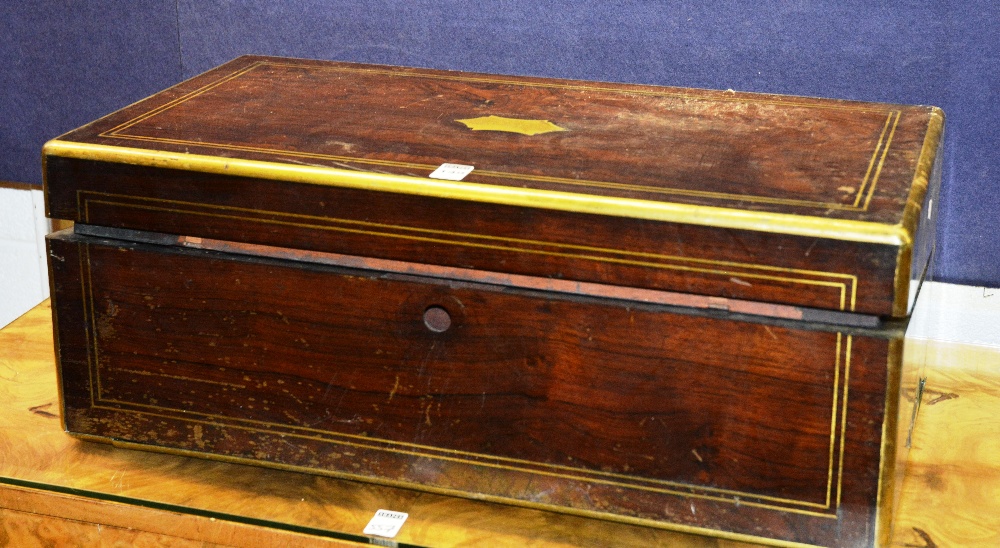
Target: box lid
794 201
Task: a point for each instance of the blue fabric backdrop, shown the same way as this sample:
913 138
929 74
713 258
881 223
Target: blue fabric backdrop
66 63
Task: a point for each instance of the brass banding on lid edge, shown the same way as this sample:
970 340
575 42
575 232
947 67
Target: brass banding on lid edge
720 217
914 205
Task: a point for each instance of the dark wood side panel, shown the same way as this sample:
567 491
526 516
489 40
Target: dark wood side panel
738 264
588 405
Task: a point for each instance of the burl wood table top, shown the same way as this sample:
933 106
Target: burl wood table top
56 489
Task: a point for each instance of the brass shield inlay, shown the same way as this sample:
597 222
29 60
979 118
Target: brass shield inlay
510 125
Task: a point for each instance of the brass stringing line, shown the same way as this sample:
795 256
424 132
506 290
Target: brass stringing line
300 154
881 162
871 190
501 174
667 191
167 106
176 377
843 418
600 184
666 526
684 490
506 175
84 292
327 435
93 326
841 285
833 421
818 273
871 162
654 93
596 258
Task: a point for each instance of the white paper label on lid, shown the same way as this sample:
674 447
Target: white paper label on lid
451 172
386 523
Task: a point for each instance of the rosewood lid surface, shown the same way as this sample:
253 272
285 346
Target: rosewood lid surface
790 155
811 168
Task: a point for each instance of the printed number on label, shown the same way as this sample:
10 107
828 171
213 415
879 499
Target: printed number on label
386 523
451 172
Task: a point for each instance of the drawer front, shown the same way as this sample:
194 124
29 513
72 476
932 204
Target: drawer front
594 406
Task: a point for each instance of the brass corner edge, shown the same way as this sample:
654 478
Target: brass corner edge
923 175
901 279
691 214
45 179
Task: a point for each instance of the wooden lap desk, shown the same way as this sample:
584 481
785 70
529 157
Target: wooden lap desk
57 490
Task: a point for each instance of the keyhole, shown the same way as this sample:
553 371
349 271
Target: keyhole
437 319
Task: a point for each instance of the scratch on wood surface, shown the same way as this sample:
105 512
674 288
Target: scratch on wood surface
117 480
928 542
392 392
808 251
41 410
941 396
355 168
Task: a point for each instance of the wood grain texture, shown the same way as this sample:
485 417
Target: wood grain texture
586 405
30 517
949 497
762 152
738 264
952 486
35 449
27 530
815 158
601 407
74 482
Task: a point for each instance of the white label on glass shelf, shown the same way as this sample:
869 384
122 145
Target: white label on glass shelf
451 172
386 523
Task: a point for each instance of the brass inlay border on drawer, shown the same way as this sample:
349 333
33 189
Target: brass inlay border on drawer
844 284
842 361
